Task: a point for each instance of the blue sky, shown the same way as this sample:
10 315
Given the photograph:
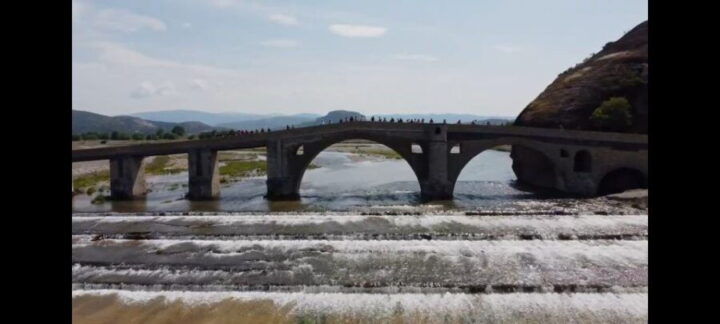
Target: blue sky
372 56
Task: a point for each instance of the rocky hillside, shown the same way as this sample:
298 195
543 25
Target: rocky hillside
620 69
85 121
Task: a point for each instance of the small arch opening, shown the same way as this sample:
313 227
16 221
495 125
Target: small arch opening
455 149
300 150
438 130
583 162
620 180
416 148
564 153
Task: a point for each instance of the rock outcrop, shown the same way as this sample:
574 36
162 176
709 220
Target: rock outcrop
620 69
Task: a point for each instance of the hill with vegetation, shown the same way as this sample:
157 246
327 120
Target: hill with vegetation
86 122
608 91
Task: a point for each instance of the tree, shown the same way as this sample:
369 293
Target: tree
178 130
138 136
75 137
169 136
613 114
159 132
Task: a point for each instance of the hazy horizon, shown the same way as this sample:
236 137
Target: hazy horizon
487 58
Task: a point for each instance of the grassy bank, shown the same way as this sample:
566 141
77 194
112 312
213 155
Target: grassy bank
159 165
243 168
91 179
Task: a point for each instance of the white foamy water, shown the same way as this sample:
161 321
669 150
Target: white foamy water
546 227
367 262
273 268
494 307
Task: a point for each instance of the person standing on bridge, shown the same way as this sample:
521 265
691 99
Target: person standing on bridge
431 121
372 119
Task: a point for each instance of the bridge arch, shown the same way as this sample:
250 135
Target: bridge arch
299 153
468 150
402 149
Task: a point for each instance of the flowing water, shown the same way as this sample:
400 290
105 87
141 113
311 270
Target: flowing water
497 254
340 184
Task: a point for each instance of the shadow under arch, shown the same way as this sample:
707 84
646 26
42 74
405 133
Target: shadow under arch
541 171
621 179
310 150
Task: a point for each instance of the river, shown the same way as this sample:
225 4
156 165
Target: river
360 247
343 184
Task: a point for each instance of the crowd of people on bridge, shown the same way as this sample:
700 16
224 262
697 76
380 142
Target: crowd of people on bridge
372 119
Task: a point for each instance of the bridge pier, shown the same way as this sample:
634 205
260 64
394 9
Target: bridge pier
127 178
204 176
436 184
282 183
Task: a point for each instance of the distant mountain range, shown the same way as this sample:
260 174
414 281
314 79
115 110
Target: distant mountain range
198 121
255 121
227 119
85 121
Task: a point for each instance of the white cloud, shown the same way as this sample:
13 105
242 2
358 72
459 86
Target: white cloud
118 54
126 21
199 84
148 89
224 3
283 19
357 30
415 57
282 43
508 48
117 20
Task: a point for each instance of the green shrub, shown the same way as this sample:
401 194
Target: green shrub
178 130
169 136
613 114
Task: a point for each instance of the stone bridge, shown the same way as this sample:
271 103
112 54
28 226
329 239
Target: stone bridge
579 162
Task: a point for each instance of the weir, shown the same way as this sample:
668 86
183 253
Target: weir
577 161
